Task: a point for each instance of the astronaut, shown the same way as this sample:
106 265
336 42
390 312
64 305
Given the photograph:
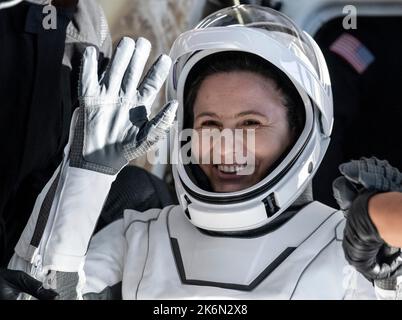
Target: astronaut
234 235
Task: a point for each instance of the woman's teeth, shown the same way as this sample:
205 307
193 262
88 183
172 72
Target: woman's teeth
231 169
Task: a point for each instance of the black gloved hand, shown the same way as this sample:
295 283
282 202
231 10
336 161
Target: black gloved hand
364 249
13 282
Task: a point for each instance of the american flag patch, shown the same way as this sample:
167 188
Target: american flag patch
353 51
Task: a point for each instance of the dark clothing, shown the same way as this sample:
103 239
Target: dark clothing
38 94
367 106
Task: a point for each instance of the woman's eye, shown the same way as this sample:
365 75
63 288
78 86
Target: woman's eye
210 123
251 123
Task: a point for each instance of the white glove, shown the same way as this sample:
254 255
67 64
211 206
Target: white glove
112 125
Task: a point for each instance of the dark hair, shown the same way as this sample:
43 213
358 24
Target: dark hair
229 61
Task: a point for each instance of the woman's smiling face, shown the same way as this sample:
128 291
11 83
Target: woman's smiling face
240 100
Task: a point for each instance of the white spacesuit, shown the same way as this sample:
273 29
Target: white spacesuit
248 244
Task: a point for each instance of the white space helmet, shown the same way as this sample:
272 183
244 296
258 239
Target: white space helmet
274 37
4 4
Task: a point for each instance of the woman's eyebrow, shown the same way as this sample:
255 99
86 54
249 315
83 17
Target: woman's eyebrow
241 114
250 112
207 114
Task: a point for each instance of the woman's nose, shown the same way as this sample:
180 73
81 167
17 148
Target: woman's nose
228 145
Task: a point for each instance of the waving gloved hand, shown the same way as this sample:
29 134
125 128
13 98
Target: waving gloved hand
13 282
112 125
363 246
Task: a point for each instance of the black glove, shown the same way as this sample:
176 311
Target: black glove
364 249
365 174
13 282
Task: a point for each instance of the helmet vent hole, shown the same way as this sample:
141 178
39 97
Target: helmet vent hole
310 167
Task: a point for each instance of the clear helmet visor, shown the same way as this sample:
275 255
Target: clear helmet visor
280 28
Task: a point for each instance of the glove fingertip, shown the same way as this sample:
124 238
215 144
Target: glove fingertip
165 59
127 41
89 51
343 192
143 43
168 113
342 167
172 106
162 65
